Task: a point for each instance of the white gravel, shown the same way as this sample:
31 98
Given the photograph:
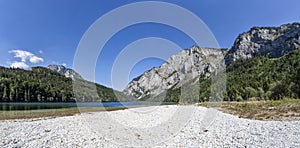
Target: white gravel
167 126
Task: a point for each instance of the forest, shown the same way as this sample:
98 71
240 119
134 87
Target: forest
44 85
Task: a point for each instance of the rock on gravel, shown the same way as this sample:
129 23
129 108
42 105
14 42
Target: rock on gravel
150 126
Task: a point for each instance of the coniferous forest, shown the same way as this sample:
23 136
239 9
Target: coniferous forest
44 85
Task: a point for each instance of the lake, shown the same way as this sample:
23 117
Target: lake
20 106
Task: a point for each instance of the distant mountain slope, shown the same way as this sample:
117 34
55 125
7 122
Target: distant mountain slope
44 85
69 73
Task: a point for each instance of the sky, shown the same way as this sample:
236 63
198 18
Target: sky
44 32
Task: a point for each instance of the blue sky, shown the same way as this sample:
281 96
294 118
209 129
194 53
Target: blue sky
45 32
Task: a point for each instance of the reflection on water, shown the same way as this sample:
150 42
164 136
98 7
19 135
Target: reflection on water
38 106
34 106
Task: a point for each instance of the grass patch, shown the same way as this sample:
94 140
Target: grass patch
285 109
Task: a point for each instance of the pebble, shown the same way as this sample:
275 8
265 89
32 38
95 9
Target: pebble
103 129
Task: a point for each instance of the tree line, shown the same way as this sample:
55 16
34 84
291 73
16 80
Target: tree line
44 85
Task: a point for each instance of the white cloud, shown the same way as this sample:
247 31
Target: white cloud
16 64
36 59
25 55
40 51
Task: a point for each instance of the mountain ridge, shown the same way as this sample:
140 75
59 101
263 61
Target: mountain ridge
272 42
54 83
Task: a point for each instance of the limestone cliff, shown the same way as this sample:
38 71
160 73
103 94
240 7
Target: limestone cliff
195 62
265 41
182 67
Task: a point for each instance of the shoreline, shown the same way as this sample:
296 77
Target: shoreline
57 109
144 126
284 110
52 113
61 112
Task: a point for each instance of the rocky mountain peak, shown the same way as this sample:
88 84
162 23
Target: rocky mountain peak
265 41
186 65
202 62
69 73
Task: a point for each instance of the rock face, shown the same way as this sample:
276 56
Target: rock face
188 64
69 73
270 41
179 68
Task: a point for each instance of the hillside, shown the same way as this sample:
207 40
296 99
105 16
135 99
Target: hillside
258 78
44 85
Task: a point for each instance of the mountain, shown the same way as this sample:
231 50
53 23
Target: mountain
178 69
257 78
272 42
263 63
197 64
69 73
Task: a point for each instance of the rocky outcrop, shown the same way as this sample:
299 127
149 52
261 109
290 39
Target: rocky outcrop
69 73
188 64
265 41
182 67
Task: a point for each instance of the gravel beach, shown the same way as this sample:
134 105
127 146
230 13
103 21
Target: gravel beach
166 126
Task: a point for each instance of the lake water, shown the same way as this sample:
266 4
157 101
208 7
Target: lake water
38 106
